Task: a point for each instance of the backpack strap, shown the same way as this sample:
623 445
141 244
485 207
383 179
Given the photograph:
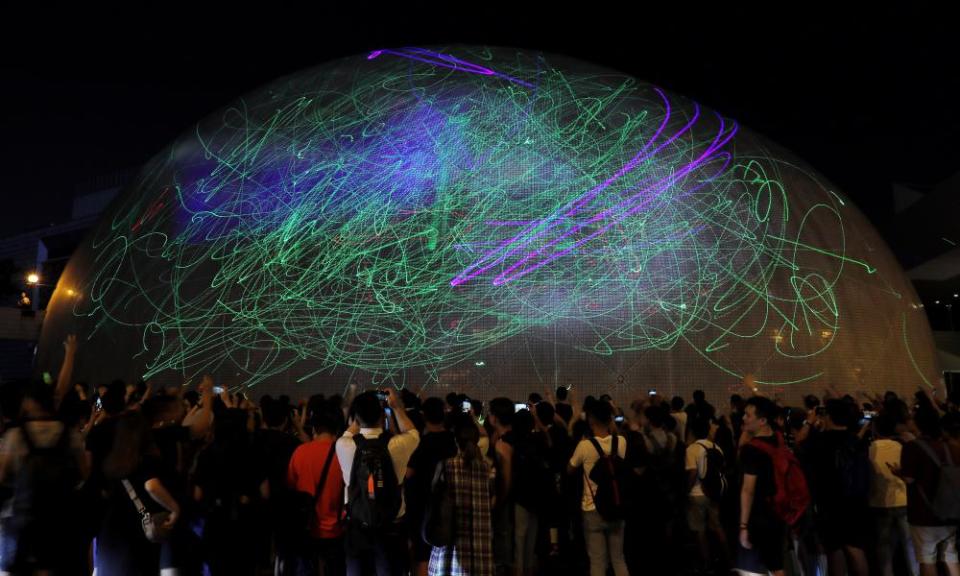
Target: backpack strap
597 447
706 452
324 473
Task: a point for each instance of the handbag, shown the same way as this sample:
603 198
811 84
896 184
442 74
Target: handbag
439 520
154 524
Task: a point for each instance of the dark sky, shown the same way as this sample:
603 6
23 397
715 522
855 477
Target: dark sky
868 97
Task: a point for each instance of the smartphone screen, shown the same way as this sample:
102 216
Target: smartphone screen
652 392
466 406
218 389
618 419
519 406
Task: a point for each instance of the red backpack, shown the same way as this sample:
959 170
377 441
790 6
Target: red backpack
792 496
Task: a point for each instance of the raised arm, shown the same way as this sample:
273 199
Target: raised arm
65 377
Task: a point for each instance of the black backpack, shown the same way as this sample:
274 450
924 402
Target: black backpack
45 495
714 481
612 477
374 496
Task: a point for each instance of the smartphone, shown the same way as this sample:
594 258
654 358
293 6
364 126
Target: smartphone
388 419
618 419
652 392
382 394
868 415
466 406
519 406
99 404
218 390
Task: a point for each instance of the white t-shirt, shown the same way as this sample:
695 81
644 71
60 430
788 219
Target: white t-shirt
586 456
886 490
401 447
697 460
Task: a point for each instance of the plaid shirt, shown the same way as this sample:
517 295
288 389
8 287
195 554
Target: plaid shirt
472 555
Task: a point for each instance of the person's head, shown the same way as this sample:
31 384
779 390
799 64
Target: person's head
230 431
368 410
759 414
534 398
501 412
699 397
606 398
275 414
700 428
600 415
522 424
654 416
37 402
561 394
928 422
676 403
114 399
163 410
467 435
810 402
890 396
839 413
545 413
453 401
131 442
884 426
327 418
434 411
950 423
410 400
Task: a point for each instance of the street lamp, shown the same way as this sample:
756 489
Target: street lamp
33 278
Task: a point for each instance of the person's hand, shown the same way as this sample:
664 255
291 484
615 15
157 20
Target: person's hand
227 398
895 469
171 520
745 538
70 344
394 401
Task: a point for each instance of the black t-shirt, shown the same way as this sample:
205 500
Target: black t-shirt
564 410
434 447
823 476
226 477
98 442
170 442
274 448
755 462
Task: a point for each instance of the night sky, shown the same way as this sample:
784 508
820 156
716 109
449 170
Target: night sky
868 98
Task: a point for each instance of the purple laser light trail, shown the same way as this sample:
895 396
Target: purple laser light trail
648 198
446 61
541 227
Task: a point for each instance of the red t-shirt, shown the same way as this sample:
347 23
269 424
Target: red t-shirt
303 474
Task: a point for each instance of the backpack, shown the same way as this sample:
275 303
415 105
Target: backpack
374 496
44 500
533 481
852 463
792 496
945 503
612 477
440 515
714 481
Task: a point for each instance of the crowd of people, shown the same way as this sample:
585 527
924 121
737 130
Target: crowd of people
125 479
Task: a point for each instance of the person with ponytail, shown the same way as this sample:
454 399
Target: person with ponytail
468 476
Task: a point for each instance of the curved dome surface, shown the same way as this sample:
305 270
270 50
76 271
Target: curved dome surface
491 221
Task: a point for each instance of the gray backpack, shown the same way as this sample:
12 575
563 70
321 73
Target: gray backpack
945 503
